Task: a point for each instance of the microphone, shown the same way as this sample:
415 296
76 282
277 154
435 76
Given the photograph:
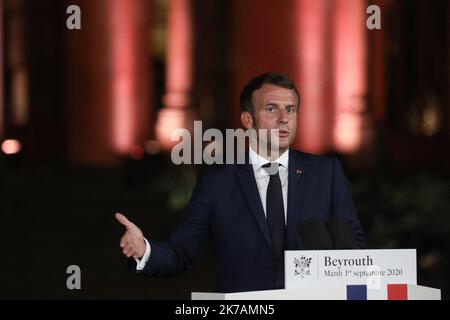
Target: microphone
341 233
315 235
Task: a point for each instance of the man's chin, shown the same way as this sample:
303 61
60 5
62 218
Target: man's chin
285 144
282 148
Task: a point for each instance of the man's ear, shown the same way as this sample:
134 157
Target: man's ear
246 120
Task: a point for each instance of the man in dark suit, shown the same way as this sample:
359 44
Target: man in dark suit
252 212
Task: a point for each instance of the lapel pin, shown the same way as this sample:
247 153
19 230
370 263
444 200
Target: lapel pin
298 172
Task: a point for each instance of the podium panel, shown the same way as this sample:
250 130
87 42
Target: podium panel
348 292
376 274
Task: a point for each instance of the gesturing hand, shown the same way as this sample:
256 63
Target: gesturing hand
132 241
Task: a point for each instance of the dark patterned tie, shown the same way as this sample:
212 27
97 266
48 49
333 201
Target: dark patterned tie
276 220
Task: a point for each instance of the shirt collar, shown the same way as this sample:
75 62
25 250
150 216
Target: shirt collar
258 161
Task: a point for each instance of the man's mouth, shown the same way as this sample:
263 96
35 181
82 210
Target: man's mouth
283 133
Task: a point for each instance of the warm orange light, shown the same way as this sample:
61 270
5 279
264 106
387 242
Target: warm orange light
348 133
179 51
313 134
152 147
349 57
178 74
124 72
136 153
2 106
170 119
11 146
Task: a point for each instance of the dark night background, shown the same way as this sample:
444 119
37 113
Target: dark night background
92 108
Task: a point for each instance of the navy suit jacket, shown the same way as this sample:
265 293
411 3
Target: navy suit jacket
226 208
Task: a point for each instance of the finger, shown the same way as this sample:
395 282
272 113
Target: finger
126 249
123 241
129 252
123 220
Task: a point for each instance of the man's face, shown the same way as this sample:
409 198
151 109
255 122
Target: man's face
275 108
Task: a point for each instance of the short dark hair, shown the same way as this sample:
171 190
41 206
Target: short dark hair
278 79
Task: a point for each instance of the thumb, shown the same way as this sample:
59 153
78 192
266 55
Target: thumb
123 220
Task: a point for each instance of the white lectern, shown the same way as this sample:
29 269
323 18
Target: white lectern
412 292
376 274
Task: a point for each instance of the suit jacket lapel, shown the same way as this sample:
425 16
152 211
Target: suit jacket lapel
247 181
296 186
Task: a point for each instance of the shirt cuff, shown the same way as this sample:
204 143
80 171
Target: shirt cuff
143 261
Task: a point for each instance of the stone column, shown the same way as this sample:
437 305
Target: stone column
108 80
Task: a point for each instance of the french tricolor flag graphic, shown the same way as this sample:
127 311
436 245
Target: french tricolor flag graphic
389 292
356 292
397 292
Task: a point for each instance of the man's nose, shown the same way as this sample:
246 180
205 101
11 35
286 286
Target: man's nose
283 116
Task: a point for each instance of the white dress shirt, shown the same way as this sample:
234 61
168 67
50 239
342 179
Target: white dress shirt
262 182
140 263
263 178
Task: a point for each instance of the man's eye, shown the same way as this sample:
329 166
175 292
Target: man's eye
291 110
270 109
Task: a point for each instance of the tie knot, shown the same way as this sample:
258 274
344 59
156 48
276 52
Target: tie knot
271 168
